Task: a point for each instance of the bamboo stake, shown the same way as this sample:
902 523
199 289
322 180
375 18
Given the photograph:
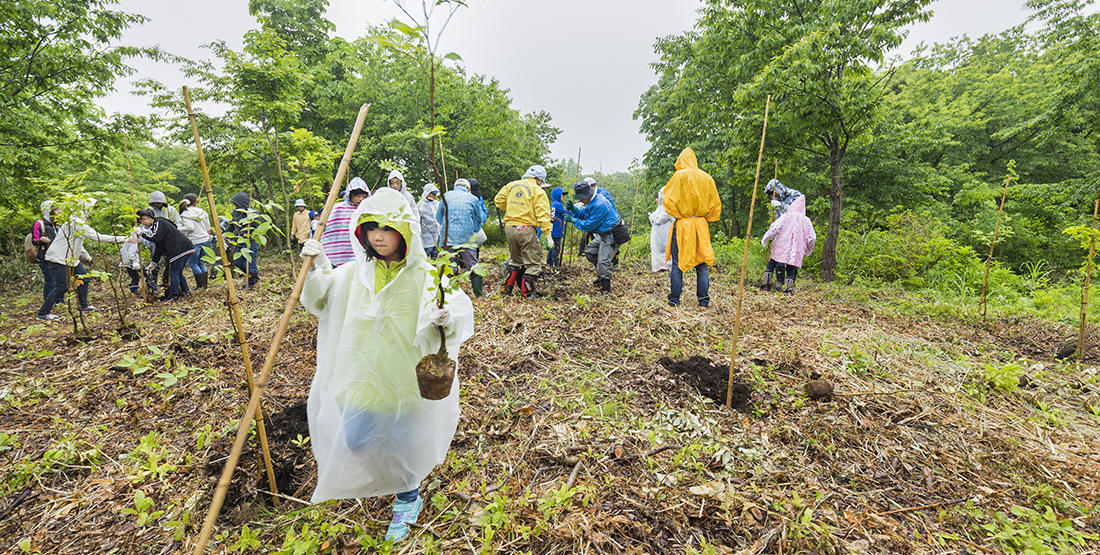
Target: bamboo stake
1088 278
276 342
996 230
745 257
234 304
574 233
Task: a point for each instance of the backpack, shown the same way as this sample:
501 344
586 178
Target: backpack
30 250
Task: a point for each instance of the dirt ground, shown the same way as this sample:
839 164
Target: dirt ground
590 424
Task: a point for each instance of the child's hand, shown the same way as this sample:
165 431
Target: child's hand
441 317
312 247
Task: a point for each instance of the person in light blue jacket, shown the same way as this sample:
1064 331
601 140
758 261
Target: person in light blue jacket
594 214
460 217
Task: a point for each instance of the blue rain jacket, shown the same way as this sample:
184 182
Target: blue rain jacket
557 213
598 216
467 216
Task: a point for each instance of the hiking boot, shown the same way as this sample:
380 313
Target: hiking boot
48 317
514 275
527 288
253 279
605 286
404 514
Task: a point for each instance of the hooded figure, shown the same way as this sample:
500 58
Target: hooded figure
158 203
661 228
781 196
557 231
400 186
427 209
196 226
692 198
246 249
337 236
371 432
794 238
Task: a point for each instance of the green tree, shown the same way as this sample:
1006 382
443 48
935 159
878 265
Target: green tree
814 58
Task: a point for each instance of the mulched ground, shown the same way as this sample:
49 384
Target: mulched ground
605 394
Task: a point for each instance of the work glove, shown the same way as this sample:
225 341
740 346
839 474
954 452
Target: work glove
776 204
549 243
578 206
568 218
151 267
136 266
441 317
312 247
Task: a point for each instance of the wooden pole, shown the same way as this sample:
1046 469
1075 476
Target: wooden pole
1088 278
745 257
996 231
574 233
234 304
276 342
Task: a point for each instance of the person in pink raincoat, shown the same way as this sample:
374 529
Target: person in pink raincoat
793 237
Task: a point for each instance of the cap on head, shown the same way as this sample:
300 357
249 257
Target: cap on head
463 183
536 171
590 181
158 196
582 191
301 203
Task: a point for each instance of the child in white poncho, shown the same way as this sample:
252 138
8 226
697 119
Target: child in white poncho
371 432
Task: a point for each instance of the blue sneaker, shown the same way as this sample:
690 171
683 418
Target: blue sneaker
404 514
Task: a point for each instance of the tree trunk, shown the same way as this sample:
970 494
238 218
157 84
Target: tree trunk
271 198
836 200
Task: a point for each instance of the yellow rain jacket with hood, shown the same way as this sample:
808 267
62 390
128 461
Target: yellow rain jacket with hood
525 203
371 431
692 198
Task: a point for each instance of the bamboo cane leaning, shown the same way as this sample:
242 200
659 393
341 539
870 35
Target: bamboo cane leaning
745 258
234 305
276 343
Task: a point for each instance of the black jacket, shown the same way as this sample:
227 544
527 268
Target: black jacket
170 242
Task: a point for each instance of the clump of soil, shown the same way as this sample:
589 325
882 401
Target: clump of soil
819 389
294 466
711 380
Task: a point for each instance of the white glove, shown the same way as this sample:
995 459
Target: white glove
136 266
151 267
312 247
441 317
550 243
578 205
776 204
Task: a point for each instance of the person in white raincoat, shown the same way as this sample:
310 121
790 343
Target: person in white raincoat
658 235
396 181
371 432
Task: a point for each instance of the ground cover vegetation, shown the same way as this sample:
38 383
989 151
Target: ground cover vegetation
590 424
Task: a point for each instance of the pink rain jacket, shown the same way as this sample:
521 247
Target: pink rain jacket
793 233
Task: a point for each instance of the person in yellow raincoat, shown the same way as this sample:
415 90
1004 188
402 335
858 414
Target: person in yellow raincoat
692 198
526 209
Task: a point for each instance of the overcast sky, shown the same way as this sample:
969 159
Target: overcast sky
586 62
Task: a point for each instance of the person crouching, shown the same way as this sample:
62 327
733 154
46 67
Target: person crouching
171 246
594 214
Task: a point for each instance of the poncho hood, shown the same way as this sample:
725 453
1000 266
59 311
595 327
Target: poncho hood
686 160
389 208
428 189
356 184
46 207
241 200
798 206
397 174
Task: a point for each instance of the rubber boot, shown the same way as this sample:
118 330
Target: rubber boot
790 287
201 280
477 282
514 275
605 286
767 282
527 288
253 279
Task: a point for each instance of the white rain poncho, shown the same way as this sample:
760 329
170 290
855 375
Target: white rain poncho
371 432
658 235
